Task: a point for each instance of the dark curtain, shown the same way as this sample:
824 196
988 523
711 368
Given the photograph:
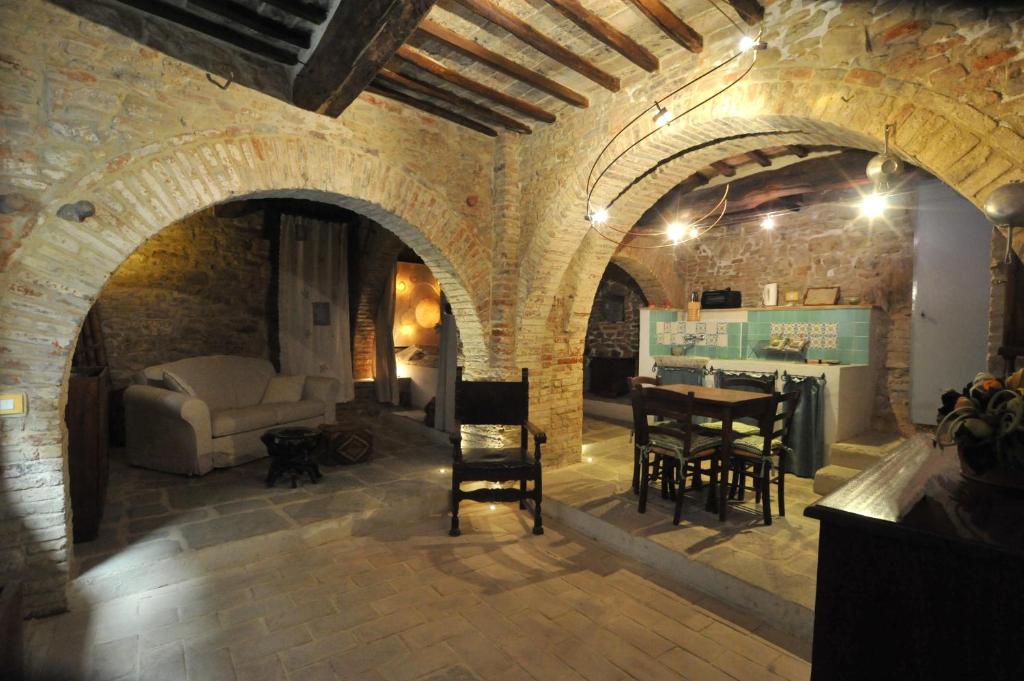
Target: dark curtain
807 435
681 375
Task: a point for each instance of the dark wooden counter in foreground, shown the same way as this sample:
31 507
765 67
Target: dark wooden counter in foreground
920 574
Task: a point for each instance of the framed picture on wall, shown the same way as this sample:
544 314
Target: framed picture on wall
826 295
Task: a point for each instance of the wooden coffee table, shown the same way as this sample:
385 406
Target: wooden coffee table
291 451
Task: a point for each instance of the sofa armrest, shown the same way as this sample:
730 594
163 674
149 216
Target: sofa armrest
323 389
168 430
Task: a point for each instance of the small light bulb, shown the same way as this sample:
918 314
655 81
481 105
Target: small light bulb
590 459
494 507
442 470
747 43
873 205
662 116
599 216
694 232
768 222
675 232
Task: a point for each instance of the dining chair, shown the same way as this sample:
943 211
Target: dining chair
502 403
766 451
672 442
635 383
741 427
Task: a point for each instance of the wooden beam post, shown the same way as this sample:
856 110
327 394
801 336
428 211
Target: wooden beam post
606 33
441 71
760 158
535 39
798 150
417 85
750 11
423 105
359 39
481 54
673 26
724 168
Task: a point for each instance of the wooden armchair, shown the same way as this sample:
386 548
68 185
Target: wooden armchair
503 404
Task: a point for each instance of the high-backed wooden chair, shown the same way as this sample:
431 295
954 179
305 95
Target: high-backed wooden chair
635 383
675 443
766 451
495 403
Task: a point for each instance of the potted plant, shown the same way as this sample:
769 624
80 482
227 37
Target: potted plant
986 423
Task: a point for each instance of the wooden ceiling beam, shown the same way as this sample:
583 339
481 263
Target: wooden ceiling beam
798 150
242 15
309 11
479 53
382 89
214 29
606 33
417 58
760 158
535 39
360 38
724 168
751 11
670 24
422 87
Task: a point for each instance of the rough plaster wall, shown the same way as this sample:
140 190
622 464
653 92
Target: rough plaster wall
199 287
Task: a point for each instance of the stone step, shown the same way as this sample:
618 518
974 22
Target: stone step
864 450
832 477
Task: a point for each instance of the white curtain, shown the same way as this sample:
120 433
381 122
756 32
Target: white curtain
385 377
448 357
313 301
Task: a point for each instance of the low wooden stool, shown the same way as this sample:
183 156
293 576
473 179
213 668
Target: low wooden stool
291 451
344 444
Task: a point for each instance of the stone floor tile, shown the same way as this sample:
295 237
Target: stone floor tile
166 663
232 528
741 642
114 659
588 663
354 664
691 667
222 637
254 609
418 663
407 598
210 665
266 669
345 618
790 668
482 655
436 631
322 671
743 668
317 650
388 625
269 644
297 615
541 664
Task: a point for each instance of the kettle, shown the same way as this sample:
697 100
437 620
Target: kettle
770 295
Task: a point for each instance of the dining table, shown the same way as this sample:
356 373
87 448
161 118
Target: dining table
726 406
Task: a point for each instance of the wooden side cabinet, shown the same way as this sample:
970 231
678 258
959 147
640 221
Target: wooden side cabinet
87 422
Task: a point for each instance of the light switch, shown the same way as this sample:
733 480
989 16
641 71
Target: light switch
12 404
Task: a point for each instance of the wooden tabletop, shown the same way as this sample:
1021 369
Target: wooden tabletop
719 396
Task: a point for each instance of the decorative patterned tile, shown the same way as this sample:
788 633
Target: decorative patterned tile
777 328
723 327
700 327
710 339
723 340
832 328
817 329
803 328
830 342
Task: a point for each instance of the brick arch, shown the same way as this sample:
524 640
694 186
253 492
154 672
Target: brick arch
958 144
645 277
60 267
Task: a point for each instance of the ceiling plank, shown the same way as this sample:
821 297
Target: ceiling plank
760 158
751 11
381 89
213 29
240 14
673 26
422 87
359 39
535 39
309 11
483 55
438 69
607 34
724 168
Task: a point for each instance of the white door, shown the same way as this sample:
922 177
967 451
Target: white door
949 333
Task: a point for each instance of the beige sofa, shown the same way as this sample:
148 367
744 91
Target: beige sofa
209 413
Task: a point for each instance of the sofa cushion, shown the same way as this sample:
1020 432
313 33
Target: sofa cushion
222 381
297 411
284 389
178 384
243 419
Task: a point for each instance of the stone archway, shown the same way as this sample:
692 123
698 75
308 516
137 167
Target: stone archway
61 266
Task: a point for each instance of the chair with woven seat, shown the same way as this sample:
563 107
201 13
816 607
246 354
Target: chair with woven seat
674 442
744 427
765 451
495 403
635 383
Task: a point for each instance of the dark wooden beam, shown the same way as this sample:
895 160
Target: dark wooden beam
481 54
798 150
724 168
750 11
698 180
310 11
423 105
214 29
760 158
242 15
673 26
360 38
438 69
535 39
606 33
422 87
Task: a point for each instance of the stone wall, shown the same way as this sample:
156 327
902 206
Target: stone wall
615 338
827 244
199 287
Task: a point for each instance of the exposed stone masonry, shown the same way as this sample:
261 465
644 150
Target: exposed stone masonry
615 338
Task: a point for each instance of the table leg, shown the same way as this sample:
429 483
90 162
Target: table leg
712 498
724 463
